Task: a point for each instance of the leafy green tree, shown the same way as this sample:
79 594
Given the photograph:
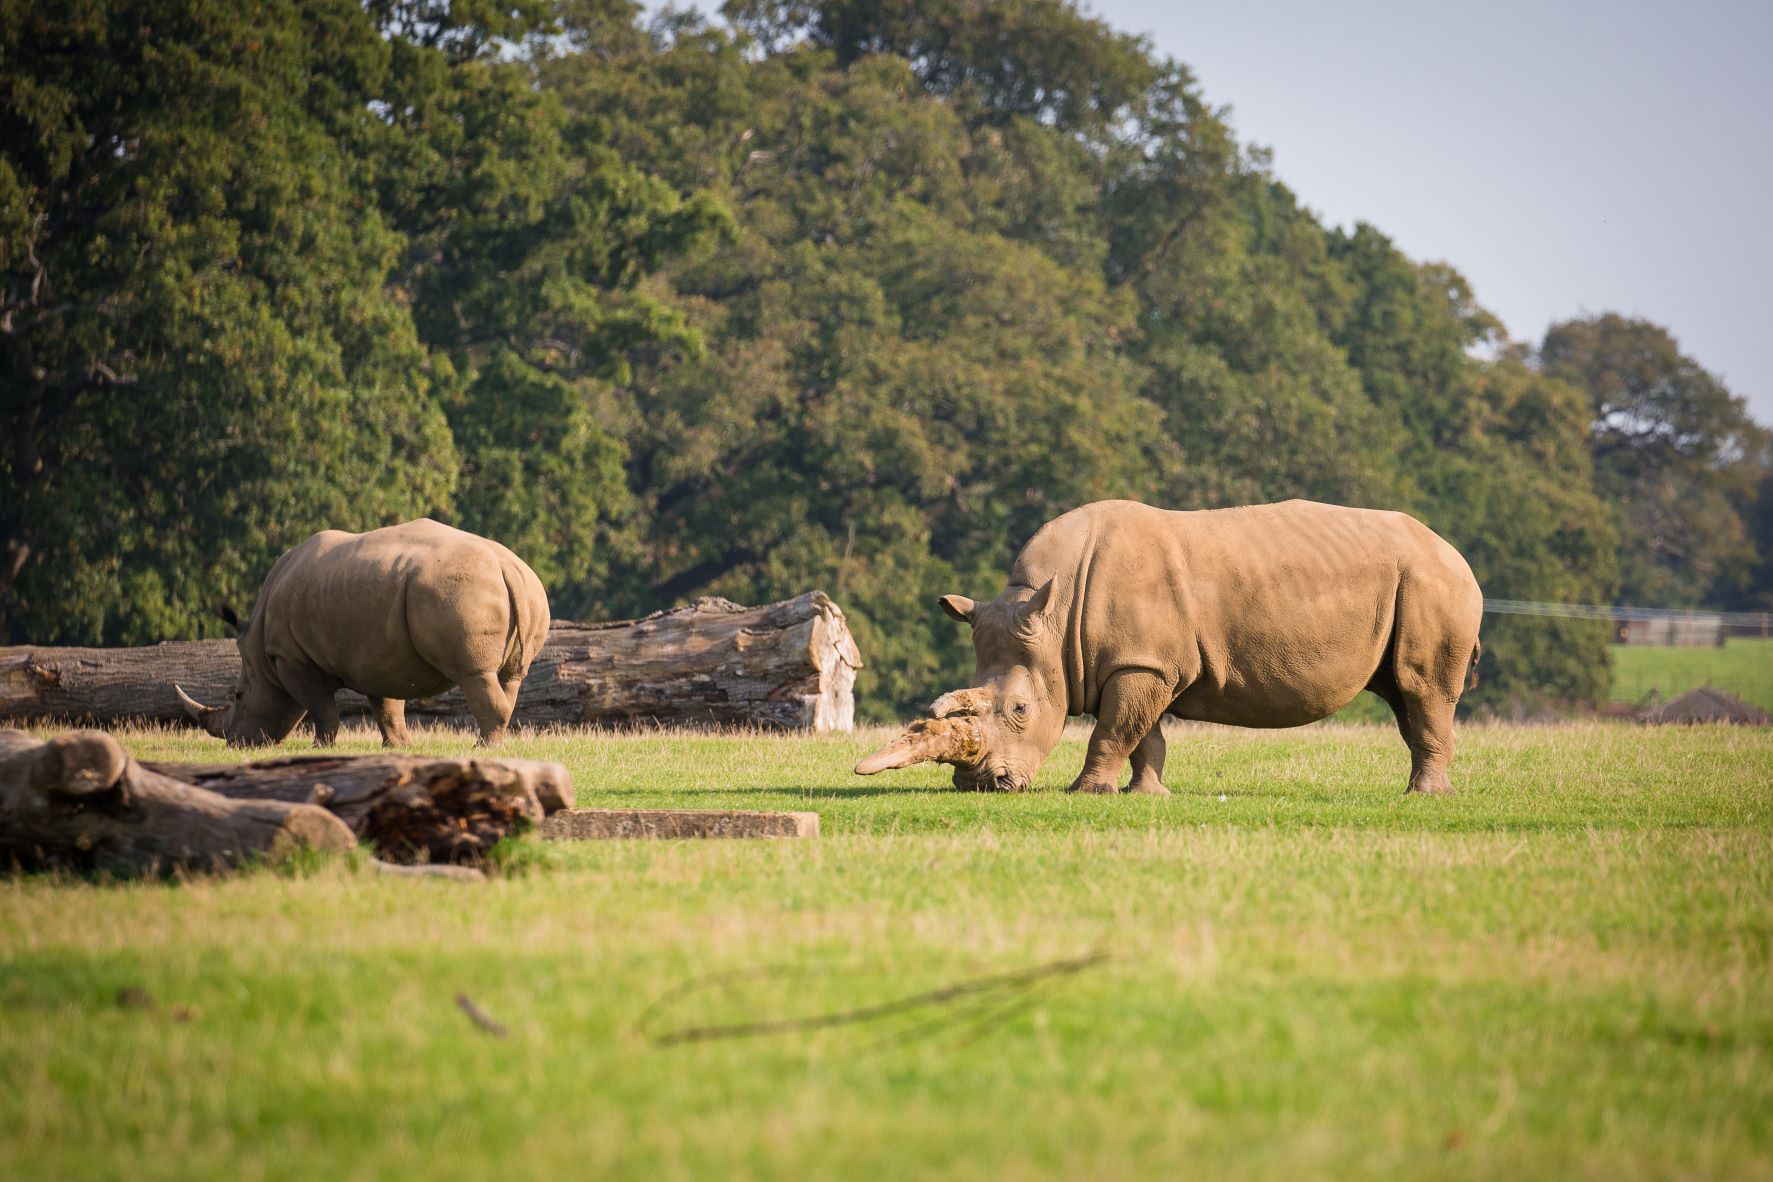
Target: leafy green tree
530 251
891 392
202 363
1262 403
1758 595
1675 453
299 265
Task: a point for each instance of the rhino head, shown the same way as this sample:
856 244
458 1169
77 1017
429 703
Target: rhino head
260 713
998 732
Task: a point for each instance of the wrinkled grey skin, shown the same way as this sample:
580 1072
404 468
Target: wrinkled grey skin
397 613
1263 616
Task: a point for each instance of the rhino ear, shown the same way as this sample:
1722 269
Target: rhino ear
1037 603
959 607
229 616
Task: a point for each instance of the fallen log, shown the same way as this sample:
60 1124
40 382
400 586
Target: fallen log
412 809
785 665
80 801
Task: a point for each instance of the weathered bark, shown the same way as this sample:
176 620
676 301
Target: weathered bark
412 809
80 801
790 665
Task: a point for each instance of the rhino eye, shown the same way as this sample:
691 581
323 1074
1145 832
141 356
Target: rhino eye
1020 709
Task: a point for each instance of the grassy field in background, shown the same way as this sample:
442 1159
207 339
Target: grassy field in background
1744 667
1562 971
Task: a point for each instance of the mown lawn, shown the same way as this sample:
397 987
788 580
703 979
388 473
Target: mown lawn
1562 971
1743 666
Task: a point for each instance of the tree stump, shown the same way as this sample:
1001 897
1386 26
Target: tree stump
789 665
80 801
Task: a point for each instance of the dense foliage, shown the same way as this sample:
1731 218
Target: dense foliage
839 293
1688 473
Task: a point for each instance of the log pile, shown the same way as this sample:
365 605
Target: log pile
81 802
412 809
789 665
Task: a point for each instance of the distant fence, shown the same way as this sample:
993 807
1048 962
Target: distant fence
1647 625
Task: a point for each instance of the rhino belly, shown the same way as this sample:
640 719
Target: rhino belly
1280 705
358 636
404 685
1286 669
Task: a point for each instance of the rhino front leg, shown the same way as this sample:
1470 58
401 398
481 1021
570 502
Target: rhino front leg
315 692
1132 703
1148 763
325 716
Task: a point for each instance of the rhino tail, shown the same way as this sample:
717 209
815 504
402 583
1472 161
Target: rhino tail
1471 677
520 629
515 657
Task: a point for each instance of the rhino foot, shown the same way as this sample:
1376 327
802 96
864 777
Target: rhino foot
1147 786
1431 785
1094 787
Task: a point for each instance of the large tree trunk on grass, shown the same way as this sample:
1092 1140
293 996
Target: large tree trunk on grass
789 665
80 801
412 809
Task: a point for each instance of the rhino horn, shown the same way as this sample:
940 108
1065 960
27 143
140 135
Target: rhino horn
928 740
961 702
205 715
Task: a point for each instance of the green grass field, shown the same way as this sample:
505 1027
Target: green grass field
1744 667
1562 971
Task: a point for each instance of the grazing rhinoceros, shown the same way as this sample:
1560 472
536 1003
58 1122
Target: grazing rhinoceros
1266 616
402 612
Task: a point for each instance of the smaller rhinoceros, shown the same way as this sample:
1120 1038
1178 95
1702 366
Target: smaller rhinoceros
402 612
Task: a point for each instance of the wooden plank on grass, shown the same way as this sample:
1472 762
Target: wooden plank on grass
602 824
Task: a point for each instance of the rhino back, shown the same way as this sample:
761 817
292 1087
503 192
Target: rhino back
1270 615
402 612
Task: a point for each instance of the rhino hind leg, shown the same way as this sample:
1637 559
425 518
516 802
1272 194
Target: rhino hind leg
314 692
1148 763
1427 726
1422 691
1425 720
391 718
1133 702
490 706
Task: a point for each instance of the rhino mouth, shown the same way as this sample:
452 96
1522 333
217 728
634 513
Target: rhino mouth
970 779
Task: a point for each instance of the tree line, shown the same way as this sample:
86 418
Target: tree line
841 293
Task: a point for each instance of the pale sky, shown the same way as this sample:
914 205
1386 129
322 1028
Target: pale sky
1568 156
